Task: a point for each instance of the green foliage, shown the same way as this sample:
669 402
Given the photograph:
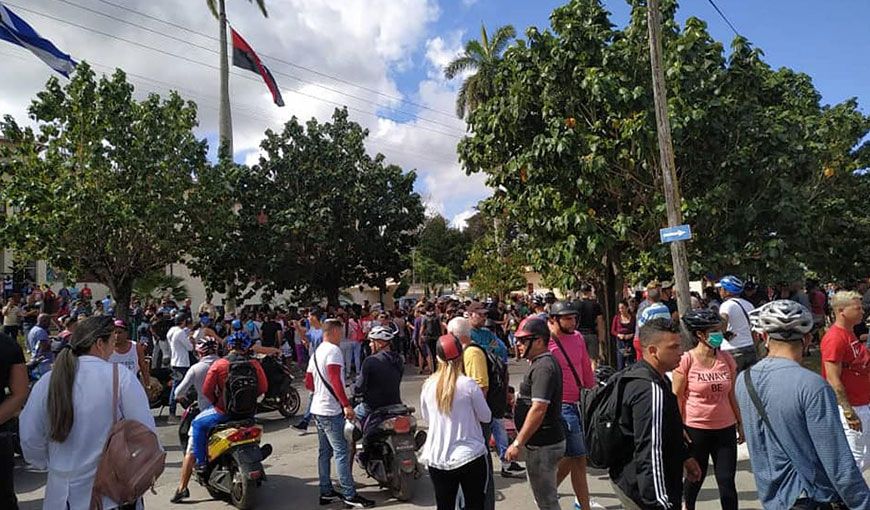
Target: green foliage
444 245
104 186
497 267
482 57
431 274
212 6
315 215
570 143
158 284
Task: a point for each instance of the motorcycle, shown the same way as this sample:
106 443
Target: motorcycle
281 395
235 462
390 440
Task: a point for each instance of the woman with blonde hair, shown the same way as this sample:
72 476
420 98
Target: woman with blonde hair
455 451
67 419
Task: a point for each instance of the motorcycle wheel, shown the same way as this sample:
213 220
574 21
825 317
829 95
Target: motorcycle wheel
403 490
289 404
242 493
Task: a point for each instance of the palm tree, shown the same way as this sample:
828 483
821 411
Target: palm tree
483 57
226 121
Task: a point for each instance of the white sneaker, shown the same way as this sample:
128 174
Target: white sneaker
593 505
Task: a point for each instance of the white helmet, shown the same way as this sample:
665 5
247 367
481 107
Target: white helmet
382 333
783 319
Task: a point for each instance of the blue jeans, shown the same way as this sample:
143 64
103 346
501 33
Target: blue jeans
203 422
351 350
362 411
330 436
177 377
622 360
499 434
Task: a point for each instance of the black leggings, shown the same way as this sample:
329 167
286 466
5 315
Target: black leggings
720 444
472 478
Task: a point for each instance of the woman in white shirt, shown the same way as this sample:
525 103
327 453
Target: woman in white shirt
455 450
67 419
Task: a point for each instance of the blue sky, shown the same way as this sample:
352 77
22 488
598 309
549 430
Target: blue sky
382 50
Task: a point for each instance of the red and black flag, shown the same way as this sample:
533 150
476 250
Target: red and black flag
244 57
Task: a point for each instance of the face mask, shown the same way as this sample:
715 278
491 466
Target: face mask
715 339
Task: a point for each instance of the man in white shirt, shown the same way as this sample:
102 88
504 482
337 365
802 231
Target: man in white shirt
180 346
330 407
735 312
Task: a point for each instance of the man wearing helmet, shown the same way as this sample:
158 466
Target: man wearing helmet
735 312
380 376
569 350
213 389
799 453
207 349
538 414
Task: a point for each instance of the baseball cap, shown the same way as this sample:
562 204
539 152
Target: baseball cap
667 284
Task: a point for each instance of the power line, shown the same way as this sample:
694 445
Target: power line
286 62
292 77
187 59
722 14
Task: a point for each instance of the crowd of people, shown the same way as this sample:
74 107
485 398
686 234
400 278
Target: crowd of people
674 410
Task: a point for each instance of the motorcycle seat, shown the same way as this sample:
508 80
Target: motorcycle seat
232 424
393 410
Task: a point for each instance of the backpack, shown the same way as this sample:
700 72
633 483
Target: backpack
132 459
432 325
240 388
601 408
496 372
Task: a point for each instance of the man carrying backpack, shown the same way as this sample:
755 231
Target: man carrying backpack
651 456
430 333
538 413
232 385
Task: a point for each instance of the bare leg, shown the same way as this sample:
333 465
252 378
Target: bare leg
576 467
186 471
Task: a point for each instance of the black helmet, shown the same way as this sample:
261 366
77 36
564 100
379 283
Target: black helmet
603 373
550 296
560 308
701 320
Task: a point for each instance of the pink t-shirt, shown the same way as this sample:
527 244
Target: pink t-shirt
576 348
708 404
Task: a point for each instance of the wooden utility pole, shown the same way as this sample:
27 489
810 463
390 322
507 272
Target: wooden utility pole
666 152
226 119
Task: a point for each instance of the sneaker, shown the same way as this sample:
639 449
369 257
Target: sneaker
357 502
329 497
513 470
594 505
301 427
179 495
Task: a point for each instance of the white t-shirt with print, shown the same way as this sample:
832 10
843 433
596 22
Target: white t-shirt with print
322 402
179 346
737 323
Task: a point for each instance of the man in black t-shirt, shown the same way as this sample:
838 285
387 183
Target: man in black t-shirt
13 377
269 332
590 324
538 413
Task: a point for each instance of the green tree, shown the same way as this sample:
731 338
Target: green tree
497 268
482 57
317 214
104 185
443 244
431 274
213 7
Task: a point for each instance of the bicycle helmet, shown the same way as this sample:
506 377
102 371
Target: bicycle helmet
382 333
701 320
532 327
206 346
783 319
239 341
237 325
731 284
538 301
560 308
448 348
654 311
603 373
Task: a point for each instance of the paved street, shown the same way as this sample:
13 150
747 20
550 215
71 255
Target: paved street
292 472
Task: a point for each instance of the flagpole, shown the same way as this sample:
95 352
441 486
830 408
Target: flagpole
226 119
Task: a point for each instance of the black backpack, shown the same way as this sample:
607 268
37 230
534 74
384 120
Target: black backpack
240 388
432 326
496 372
601 408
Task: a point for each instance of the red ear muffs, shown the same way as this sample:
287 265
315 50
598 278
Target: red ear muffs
449 347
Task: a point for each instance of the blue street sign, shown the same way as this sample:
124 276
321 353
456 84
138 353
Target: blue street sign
678 233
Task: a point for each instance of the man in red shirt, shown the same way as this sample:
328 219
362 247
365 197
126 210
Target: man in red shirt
213 388
847 368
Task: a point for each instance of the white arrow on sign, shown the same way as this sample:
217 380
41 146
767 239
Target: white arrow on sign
675 233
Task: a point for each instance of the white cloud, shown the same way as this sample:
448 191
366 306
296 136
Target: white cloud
460 221
364 42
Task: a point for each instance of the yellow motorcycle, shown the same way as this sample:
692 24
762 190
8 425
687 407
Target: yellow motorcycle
235 462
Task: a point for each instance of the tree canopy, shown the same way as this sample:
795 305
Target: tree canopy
104 186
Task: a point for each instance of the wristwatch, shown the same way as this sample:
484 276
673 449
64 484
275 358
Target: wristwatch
516 444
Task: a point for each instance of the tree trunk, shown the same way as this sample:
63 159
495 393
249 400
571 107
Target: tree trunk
122 291
332 293
609 299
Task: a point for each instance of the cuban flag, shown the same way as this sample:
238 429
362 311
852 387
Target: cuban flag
18 32
244 57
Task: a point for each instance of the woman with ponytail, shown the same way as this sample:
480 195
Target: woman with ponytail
67 419
455 451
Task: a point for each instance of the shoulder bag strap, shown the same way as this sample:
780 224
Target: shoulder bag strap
568 361
746 315
114 393
325 381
